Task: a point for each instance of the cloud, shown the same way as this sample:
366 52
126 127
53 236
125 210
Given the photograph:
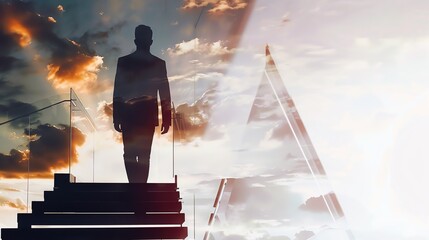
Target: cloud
19 24
280 131
49 151
91 39
304 235
225 5
263 210
51 19
18 203
192 120
195 45
8 63
14 109
189 4
249 204
68 63
9 189
315 204
224 236
207 71
215 6
60 8
318 204
8 90
78 69
268 237
105 110
265 106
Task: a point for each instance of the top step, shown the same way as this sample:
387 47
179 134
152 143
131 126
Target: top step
67 182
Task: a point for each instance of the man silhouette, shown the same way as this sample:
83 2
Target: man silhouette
140 76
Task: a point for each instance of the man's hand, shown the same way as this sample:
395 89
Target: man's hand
118 127
164 128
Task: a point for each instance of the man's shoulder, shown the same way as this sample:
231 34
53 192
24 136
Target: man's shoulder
124 58
158 60
136 57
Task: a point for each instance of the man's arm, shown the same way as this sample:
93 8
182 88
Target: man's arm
164 95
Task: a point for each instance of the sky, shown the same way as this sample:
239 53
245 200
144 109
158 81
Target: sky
356 71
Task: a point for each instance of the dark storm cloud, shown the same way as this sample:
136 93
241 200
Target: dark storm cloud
9 42
68 62
8 63
8 90
49 151
13 109
90 39
20 24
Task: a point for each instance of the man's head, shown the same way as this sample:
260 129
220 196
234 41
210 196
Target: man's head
143 36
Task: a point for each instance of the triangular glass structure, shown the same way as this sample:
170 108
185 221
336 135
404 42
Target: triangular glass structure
288 196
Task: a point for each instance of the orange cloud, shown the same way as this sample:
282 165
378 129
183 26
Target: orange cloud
225 5
75 69
18 203
60 8
217 6
51 19
21 33
69 64
105 110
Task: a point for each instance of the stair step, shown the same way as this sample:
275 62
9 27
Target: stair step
130 206
103 211
27 220
116 187
94 233
61 196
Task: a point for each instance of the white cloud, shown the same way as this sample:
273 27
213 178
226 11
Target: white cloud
195 45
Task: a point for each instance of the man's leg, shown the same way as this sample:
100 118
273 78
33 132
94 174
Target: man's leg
144 150
130 140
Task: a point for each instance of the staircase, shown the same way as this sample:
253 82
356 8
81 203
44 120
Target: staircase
105 211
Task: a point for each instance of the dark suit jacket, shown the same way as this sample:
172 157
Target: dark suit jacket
140 76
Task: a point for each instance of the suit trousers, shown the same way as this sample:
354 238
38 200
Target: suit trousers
137 148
